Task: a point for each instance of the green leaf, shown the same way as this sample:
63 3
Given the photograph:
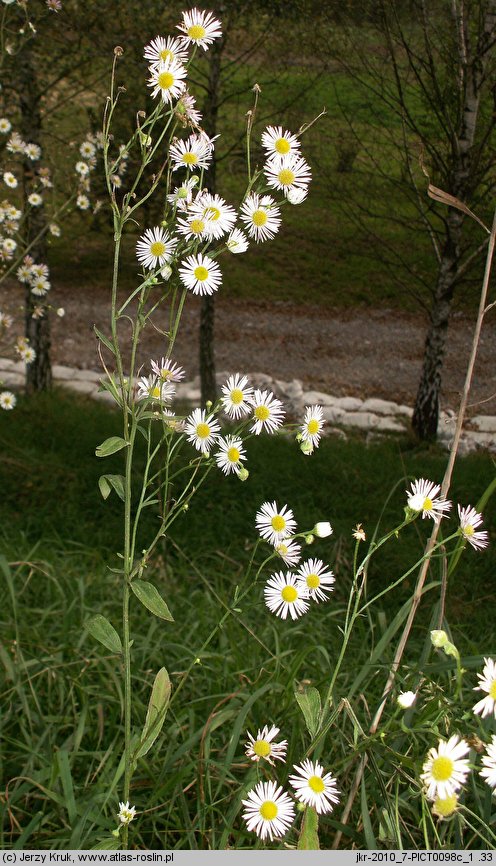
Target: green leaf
101 629
370 839
148 595
311 707
157 708
110 446
103 339
309 833
112 843
107 482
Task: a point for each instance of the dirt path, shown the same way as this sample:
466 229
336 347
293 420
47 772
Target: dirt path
363 353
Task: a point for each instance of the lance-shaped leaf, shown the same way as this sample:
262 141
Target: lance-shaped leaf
107 482
110 446
311 707
101 629
157 708
309 833
149 596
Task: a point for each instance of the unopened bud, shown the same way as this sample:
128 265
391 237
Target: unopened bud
322 530
306 448
118 51
243 474
439 638
309 539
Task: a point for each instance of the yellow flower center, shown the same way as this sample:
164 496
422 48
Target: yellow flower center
259 217
278 523
190 158
261 748
468 530
212 213
316 784
202 430
157 249
233 457
166 54
262 413
427 506
289 594
196 31
313 581
286 176
155 392
236 396
165 374
445 806
268 810
200 273
282 145
492 690
165 80
197 226
313 426
442 768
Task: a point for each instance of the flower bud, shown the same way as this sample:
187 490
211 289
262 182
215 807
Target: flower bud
322 530
439 638
243 474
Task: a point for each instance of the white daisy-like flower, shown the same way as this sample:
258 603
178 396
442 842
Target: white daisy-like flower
314 787
470 519
126 813
27 354
405 700
277 142
167 370
237 396
263 746
39 270
15 143
156 388
35 199
219 217
289 551
160 50
167 79
202 430
487 683
444 807
193 152
489 763
54 230
24 274
82 202
87 149
10 179
261 216
230 454
155 248
317 578
237 242
268 412
192 226
285 595
32 151
200 274
7 400
82 168
9 245
6 321
5 125
40 286
288 173
186 111
422 497
269 811
199 28
275 524
312 425
60 312
445 769
183 195
296 196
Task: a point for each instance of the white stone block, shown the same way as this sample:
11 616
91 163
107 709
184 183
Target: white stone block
61 372
11 378
390 425
349 404
485 423
380 407
362 420
311 398
333 414
80 387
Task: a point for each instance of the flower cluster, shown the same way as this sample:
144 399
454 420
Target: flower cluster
423 498
269 810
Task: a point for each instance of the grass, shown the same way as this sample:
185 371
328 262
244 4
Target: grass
62 698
